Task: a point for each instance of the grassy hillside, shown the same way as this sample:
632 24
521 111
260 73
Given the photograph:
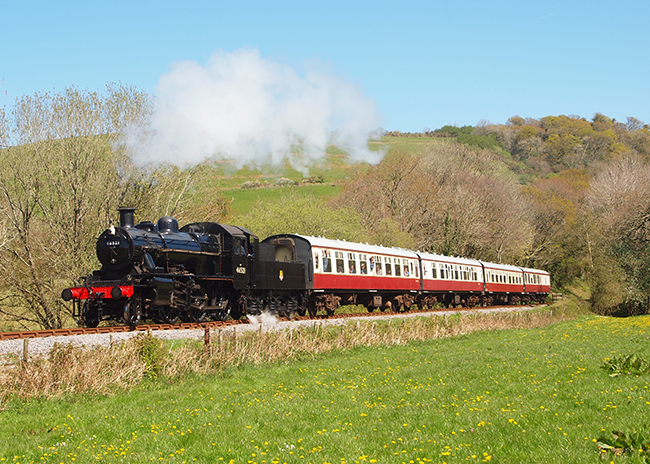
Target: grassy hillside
322 179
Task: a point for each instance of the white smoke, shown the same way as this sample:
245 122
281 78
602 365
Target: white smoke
243 107
265 318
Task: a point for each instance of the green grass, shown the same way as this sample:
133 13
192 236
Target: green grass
534 395
407 144
244 199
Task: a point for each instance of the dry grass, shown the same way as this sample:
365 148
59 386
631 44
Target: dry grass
69 370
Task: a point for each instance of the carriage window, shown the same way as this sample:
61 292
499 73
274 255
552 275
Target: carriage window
378 269
363 269
474 275
352 263
316 260
434 271
340 265
416 270
327 261
456 270
389 266
406 268
398 268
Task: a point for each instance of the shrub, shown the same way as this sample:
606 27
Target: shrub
152 352
626 365
283 181
252 184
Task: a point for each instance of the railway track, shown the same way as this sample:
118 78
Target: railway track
198 325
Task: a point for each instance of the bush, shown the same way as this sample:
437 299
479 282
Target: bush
252 184
152 352
283 181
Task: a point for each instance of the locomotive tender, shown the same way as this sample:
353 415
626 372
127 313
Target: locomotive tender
208 270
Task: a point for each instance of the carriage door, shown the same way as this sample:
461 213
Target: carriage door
239 262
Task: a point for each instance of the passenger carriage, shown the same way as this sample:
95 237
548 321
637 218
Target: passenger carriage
451 280
503 283
537 284
340 272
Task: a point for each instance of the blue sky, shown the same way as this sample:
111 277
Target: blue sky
425 64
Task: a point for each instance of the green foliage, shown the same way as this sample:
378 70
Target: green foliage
631 364
152 352
635 442
480 141
389 234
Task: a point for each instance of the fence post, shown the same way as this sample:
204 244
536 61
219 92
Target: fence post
206 336
25 349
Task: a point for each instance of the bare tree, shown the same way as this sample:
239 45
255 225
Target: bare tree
448 197
619 208
59 185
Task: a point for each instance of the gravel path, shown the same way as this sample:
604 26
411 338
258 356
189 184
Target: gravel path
41 346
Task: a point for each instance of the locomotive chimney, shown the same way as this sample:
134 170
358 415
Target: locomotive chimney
126 217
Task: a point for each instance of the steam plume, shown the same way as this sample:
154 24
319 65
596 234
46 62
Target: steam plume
241 106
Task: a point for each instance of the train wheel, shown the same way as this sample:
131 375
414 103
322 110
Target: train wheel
171 315
302 306
198 315
311 307
90 316
132 312
226 304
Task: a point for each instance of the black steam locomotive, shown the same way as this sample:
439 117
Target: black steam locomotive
202 271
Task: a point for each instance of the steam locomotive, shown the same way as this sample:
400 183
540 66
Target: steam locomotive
207 270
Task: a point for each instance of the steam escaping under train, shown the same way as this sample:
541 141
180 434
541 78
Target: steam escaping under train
206 270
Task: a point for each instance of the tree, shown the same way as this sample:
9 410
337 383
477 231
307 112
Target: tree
618 206
450 198
60 185
553 204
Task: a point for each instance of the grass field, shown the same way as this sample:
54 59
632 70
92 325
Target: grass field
524 395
